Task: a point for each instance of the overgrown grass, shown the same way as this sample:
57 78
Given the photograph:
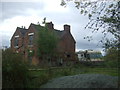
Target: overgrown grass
43 76
106 71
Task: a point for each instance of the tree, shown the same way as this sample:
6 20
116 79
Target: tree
15 73
46 42
112 58
103 16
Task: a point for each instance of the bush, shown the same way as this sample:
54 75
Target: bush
66 72
14 70
38 78
112 58
111 64
79 65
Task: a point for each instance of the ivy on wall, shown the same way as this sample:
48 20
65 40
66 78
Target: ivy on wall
30 52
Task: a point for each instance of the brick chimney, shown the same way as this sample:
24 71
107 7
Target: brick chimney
50 25
67 28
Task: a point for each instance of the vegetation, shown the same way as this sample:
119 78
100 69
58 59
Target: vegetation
46 42
38 78
30 52
14 70
16 74
112 58
43 76
103 16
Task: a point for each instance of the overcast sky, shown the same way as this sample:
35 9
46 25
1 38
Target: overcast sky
17 14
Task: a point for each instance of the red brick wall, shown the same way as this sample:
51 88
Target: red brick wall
28 47
66 44
20 39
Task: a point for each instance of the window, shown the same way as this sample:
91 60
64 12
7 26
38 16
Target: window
30 39
68 55
16 42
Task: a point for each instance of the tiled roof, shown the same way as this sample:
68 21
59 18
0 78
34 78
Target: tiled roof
58 32
23 31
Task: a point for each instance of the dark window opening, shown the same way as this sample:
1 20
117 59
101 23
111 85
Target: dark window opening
68 55
31 40
16 42
23 52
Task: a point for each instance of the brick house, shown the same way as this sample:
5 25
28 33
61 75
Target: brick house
23 41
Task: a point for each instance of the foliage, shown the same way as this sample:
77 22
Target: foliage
14 70
43 76
30 52
103 16
112 58
47 42
38 78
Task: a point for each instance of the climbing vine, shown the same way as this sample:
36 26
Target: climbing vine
30 52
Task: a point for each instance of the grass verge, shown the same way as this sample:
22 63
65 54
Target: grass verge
40 77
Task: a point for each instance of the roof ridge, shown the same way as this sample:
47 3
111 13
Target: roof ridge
22 28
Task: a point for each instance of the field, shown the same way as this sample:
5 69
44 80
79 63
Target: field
41 76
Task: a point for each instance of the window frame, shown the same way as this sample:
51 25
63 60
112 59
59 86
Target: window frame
16 41
30 40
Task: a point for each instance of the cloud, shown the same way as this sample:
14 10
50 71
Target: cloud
11 9
17 14
52 6
20 0
8 27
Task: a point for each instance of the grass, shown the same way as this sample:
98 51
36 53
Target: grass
40 77
106 71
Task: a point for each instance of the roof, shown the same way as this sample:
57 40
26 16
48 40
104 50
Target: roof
22 30
36 26
58 32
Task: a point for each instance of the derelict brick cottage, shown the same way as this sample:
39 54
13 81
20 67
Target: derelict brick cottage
23 40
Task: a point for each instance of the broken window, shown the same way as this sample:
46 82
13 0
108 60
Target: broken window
16 42
30 39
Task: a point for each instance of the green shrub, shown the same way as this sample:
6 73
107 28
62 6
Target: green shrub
38 78
79 65
112 58
14 70
66 72
111 64
44 78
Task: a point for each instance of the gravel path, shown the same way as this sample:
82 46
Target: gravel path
83 81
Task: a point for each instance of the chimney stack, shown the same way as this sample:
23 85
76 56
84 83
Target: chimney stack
50 25
67 28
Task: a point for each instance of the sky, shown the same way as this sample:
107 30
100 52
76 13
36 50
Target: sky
22 13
